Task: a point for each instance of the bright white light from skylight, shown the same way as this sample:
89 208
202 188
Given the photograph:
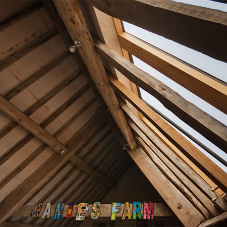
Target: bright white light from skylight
199 60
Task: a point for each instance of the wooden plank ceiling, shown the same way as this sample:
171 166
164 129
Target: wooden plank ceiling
58 139
49 105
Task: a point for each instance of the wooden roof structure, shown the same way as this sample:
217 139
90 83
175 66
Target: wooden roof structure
72 122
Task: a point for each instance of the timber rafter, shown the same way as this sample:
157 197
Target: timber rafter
71 15
202 122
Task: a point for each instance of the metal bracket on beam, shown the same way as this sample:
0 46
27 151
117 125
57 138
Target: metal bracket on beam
72 48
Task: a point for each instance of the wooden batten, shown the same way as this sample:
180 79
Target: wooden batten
92 60
217 174
202 122
26 189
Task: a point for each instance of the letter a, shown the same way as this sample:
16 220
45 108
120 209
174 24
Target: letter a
46 211
116 208
127 211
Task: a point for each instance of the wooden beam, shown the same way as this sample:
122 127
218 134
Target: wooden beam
149 135
87 169
27 123
45 123
199 28
160 210
40 149
177 151
25 190
214 220
68 41
76 26
184 185
193 80
215 172
202 122
184 210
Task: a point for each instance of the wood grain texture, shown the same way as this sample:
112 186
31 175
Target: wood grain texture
76 26
214 220
216 173
202 122
23 192
196 183
31 126
183 209
193 80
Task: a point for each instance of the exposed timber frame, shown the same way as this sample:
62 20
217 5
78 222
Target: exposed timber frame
199 28
10 110
188 176
179 204
202 122
213 171
19 196
71 16
204 86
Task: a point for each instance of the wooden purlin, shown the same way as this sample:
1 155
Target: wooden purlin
71 15
24 84
215 172
68 41
202 122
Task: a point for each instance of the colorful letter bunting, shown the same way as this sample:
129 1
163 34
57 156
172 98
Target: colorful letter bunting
147 212
96 210
46 211
116 208
36 214
70 211
136 208
59 211
127 211
82 209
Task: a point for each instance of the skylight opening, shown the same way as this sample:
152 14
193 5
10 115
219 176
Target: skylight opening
203 62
